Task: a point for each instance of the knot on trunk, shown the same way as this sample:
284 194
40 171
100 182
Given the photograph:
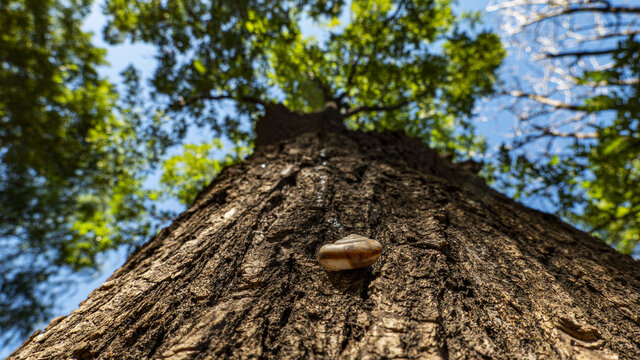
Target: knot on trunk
279 123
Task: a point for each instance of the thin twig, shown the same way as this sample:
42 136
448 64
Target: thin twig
247 99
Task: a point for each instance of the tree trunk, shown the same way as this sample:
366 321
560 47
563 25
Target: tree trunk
465 272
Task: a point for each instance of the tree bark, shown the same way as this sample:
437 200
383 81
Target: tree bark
465 272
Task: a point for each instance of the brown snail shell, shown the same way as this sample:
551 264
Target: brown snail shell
351 252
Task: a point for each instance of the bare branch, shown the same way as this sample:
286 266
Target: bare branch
547 131
627 82
544 100
581 53
604 10
564 9
610 35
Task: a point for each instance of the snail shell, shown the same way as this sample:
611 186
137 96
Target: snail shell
351 252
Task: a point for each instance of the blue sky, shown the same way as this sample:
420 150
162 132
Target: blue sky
142 56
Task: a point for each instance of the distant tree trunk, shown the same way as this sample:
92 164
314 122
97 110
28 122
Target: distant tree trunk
465 272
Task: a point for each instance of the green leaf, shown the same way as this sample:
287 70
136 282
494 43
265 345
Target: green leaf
197 64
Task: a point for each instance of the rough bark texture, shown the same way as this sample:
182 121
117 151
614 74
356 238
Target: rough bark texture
465 272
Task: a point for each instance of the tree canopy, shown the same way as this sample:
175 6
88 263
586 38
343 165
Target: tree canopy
76 149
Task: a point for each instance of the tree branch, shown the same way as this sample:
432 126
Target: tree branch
247 99
580 53
546 131
352 73
327 94
544 100
613 218
608 35
360 109
566 11
354 66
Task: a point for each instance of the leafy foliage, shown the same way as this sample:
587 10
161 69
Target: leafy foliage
66 172
76 152
186 174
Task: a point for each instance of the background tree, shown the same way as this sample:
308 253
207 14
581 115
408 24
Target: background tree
578 134
408 65
71 157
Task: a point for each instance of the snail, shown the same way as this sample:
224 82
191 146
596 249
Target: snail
351 252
